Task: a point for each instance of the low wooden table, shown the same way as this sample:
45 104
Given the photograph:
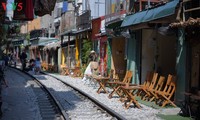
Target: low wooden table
102 82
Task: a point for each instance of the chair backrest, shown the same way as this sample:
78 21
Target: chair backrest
128 76
172 88
167 84
149 78
154 80
160 83
111 74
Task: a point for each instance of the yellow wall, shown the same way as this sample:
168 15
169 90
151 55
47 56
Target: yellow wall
34 25
62 57
77 53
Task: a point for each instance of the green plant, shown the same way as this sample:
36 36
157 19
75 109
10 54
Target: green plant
86 48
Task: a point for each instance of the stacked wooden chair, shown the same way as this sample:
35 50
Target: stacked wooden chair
148 85
165 87
159 90
165 97
141 90
157 87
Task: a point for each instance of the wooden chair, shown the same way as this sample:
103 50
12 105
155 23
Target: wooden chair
130 96
50 67
116 84
44 66
165 96
77 72
157 87
149 86
62 70
166 87
146 83
65 70
55 68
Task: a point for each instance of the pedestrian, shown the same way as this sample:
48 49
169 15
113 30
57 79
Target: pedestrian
94 65
14 59
31 64
6 59
23 57
2 78
37 65
92 56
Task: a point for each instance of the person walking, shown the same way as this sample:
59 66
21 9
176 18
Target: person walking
37 65
14 59
23 57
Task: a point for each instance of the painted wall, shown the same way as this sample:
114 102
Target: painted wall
158 53
31 25
167 54
131 58
118 56
97 7
34 25
147 57
133 55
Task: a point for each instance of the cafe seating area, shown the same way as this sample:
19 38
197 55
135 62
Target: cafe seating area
155 89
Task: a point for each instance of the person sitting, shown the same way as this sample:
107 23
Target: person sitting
31 64
92 66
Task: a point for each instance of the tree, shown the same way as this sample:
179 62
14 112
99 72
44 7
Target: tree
86 48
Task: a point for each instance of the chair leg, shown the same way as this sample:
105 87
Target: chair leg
131 97
114 90
152 99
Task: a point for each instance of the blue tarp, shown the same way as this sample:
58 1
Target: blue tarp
150 14
65 6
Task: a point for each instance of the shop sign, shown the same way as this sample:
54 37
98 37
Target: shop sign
11 6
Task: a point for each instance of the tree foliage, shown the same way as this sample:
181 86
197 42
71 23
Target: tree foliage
85 51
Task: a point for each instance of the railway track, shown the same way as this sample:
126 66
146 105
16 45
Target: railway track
48 106
75 104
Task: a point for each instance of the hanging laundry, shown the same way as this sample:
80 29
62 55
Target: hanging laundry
43 7
29 10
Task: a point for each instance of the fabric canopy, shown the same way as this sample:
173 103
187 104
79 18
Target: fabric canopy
150 14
